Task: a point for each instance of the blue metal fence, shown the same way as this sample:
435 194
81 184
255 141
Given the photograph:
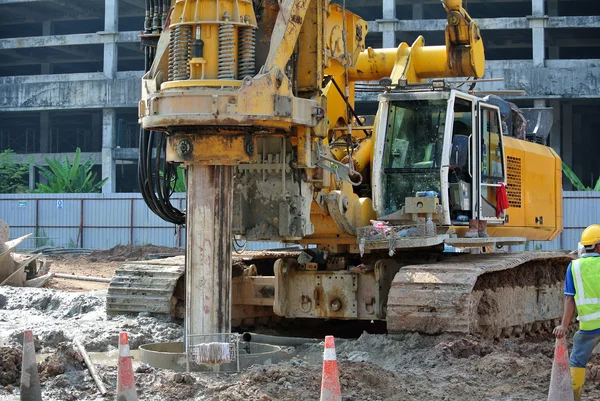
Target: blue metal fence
95 221
101 221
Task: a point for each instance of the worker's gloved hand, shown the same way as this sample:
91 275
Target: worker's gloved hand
560 331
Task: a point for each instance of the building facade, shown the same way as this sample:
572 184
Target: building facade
70 72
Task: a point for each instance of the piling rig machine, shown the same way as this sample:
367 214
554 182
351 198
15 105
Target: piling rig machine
256 101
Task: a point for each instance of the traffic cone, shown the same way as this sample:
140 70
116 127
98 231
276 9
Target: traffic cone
561 388
125 380
330 385
30 378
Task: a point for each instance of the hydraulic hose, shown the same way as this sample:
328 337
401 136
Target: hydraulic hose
156 180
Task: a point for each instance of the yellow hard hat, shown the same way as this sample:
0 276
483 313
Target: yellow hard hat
591 235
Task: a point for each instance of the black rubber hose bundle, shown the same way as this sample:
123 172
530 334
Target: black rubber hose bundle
157 178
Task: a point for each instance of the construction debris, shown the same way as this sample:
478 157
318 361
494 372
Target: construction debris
17 269
83 278
90 367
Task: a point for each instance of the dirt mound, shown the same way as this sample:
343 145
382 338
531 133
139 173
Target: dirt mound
302 382
464 348
65 359
10 365
122 253
49 302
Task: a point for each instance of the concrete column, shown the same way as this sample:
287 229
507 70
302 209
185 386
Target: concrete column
208 252
567 138
111 27
537 22
96 131
31 177
537 8
109 124
389 9
553 51
44 132
555 133
46 68
389 23
417 10
553 8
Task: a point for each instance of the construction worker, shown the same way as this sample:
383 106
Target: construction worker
582 290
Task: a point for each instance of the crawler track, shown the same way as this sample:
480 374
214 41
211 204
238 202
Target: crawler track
157 286
495 296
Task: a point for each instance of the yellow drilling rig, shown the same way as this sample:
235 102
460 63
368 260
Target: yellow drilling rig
255 100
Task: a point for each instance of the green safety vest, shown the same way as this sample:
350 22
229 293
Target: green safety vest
586 276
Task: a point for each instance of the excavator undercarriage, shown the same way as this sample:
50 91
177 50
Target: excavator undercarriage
496 295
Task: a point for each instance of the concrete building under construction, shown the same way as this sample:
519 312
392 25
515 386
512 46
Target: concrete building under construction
70 72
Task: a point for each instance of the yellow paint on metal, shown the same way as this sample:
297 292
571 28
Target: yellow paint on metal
197 68
356 29
285 32
216 83
431 62
419 62
216 149
454 4
209 15
362 155
309 77
534 193
373 64
205 101
337 111
463 41
304 147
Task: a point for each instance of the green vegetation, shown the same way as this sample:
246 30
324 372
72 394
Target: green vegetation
576 181
177 184
66 177
41 238
180 183
13 177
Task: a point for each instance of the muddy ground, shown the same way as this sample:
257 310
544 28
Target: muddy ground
373 367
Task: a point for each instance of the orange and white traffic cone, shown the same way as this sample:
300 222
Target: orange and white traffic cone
330 384
125 380
30 378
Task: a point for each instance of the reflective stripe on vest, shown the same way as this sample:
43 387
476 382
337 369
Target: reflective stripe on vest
588 305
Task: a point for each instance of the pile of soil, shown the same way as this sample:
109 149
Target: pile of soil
59 316
122 253
10 366
65 359
302 382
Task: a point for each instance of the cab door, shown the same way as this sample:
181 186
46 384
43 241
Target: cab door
489 163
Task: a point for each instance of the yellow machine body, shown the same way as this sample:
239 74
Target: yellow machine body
220 103
256 101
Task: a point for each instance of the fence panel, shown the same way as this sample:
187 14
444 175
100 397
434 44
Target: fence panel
102 221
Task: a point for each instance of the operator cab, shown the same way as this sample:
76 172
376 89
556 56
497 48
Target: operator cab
441 144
